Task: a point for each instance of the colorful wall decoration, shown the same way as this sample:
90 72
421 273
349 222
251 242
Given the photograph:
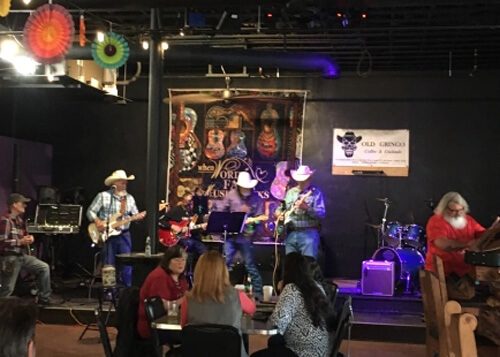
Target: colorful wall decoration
211 140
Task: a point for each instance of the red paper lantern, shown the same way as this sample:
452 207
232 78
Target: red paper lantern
48 33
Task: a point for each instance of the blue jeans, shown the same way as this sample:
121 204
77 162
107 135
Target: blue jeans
193 245
305 242
246 248
118 245
31 264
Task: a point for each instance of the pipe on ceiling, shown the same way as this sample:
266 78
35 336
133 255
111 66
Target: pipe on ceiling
204 55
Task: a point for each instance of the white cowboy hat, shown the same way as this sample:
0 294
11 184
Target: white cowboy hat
245 180
302 173
118 175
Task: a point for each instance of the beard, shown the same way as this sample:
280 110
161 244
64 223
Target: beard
456 222
121 193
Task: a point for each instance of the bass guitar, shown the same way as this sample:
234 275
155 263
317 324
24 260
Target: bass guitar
169 238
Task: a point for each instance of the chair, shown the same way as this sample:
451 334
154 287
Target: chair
449 331
103 333
154 309
211 340
343 326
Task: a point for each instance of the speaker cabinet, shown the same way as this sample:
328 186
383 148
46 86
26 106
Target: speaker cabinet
377 278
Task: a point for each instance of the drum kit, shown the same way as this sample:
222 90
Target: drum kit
405 245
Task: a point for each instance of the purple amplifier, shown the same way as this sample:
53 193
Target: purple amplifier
377 278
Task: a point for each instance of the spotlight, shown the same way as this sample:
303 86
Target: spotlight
26 2
363 16
181 33
8 49
339 14
145 44
100 36
164 45
269 15
24 65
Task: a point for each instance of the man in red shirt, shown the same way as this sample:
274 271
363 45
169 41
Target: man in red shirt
451 231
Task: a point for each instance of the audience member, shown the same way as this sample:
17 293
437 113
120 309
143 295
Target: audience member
213 299
17 327
168 282
302 314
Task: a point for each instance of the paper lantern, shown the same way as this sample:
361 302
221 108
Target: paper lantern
4 7
111 53
48 33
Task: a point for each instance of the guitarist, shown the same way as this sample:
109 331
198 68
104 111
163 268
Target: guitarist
184 211
106 204
304 208
242 198
13 257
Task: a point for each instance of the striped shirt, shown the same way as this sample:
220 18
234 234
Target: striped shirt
106 204
12 230
311 217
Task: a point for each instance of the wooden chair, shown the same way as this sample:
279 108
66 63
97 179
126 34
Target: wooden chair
449 331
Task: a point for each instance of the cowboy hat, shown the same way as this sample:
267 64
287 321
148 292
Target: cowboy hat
118 175
245 180
302 173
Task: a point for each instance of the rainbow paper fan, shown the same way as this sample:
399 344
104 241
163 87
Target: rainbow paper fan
48 33
4 7
111 53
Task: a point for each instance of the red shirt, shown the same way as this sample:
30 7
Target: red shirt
158 283
438 227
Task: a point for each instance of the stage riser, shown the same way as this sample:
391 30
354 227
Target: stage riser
384 304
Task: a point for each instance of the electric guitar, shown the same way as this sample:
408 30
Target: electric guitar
169 238
280 221
110 227
251 220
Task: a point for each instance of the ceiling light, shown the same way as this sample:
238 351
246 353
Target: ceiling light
145 44
8 49
26 2
164 45
181 33
100 36
25 65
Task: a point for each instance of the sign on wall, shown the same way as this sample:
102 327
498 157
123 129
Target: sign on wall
366 151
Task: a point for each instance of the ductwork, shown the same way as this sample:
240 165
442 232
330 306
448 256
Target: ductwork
204 55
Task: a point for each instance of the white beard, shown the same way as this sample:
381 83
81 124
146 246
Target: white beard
456 222
121 193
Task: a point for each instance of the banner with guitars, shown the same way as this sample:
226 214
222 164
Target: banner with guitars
212 139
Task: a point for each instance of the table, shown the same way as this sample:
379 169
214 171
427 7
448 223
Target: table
141 264
248 326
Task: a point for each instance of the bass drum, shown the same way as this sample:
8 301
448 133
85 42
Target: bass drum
407 262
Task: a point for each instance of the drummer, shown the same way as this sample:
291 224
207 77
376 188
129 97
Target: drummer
451 231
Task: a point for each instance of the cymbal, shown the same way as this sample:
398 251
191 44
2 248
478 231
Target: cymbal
385 200
376 226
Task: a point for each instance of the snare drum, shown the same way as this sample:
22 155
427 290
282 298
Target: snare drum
407 261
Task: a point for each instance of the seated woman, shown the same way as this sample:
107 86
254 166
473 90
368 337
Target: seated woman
328 286
302 314
168 282
212 299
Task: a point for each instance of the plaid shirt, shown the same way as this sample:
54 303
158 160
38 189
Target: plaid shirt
12 229
311 217
106 204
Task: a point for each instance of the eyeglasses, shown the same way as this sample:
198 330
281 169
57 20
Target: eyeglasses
455 211
179 260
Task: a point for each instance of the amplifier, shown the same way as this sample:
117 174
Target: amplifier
377 278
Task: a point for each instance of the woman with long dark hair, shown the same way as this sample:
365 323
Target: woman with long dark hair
166 281
301 314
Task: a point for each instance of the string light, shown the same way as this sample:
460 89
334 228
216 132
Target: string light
100 36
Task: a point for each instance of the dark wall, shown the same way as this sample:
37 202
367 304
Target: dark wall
453 125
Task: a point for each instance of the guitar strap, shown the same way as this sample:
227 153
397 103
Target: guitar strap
123 205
